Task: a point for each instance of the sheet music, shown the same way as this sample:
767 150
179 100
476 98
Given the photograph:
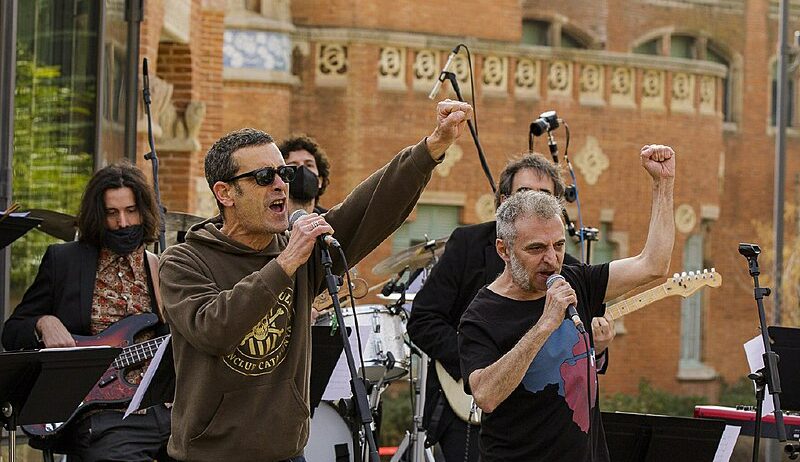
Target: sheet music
87 347
726 443
754 349
339 384
148 377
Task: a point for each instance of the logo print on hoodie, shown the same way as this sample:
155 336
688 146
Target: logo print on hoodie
264 348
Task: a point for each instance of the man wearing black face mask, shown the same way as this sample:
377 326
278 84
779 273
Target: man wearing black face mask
313 170
84 287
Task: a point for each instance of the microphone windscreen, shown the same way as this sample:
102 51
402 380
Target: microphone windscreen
553 278
296 216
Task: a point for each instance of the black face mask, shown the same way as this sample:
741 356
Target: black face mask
124 240
305 185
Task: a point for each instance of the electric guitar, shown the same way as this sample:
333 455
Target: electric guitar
684 284
113 390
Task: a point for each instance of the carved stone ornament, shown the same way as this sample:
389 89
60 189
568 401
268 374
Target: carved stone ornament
461 69
685 218
591 78
527 75
484 207
681 86
391 62
425 69
172 131
622 81
453 154
591 160
494 72
332 59
559 79
652 84
708 90
391 67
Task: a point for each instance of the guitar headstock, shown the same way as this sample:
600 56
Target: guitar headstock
688 283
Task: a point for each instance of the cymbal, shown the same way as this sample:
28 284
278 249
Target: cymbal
180 221
56 224
417 256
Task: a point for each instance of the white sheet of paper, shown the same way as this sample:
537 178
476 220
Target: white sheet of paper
726 443
148 377
339 384
754 349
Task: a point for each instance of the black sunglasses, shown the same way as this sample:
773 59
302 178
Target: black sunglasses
265 176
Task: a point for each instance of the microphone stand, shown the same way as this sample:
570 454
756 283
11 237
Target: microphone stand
585 234
768 375
153 158
362 412
454 82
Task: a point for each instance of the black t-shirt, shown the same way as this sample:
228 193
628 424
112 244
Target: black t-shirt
545 418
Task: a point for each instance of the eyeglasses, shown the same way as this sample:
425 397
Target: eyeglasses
265 176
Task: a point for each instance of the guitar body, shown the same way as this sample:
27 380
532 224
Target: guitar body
459 401
112 390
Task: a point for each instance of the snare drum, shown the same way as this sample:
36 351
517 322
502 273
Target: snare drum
328 431
386 354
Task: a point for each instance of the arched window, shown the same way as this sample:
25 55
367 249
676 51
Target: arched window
773 110
687 46
691 365
551 33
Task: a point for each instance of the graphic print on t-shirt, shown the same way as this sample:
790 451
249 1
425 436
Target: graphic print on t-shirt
562 361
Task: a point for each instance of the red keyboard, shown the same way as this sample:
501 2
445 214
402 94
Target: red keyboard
746 419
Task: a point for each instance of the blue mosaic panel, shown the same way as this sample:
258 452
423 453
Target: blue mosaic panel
269 51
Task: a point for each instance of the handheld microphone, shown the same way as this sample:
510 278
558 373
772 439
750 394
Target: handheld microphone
546 122
325 238
572 313
438 85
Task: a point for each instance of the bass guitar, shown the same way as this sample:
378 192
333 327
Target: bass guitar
684 284
113 390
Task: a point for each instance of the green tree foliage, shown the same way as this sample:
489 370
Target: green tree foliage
51 165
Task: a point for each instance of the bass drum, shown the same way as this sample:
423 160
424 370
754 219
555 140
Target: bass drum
328 435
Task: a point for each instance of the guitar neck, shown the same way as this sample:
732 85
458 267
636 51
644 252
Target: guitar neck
138 353
620 309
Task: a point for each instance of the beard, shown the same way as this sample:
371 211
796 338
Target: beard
519 275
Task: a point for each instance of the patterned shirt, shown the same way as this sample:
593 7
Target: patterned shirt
120 290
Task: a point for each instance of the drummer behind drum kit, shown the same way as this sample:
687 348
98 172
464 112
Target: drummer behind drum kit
386 355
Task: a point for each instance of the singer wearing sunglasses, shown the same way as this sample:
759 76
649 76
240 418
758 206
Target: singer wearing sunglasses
238 292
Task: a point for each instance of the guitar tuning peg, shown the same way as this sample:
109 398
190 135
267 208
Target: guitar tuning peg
676 276
705 271
691 274
683 274
713 270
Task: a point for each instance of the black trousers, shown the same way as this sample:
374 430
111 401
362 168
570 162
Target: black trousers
105 436
453 441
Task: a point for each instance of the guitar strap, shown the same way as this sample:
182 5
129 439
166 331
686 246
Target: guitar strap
152 266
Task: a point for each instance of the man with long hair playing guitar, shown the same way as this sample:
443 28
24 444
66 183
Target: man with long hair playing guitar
81 289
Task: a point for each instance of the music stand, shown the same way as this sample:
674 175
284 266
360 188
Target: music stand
786 343
655 438
326 349
12 227
47 385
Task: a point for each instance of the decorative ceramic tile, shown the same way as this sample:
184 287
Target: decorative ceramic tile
269 51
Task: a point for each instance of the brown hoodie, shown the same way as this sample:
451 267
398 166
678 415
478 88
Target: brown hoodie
241 327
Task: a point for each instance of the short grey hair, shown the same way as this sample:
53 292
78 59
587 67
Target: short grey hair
525 204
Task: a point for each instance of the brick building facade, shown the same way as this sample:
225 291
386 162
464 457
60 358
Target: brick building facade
693 74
